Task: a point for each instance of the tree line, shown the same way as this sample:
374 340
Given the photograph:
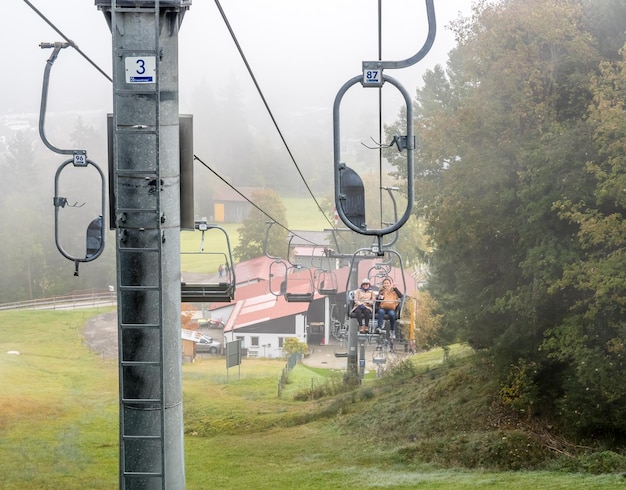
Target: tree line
521 179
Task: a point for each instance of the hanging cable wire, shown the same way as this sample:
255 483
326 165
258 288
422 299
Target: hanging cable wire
252 203
267 107
380 113
71 43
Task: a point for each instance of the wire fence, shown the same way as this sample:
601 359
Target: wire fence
79 299
284 377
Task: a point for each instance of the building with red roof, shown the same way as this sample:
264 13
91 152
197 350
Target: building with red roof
262 318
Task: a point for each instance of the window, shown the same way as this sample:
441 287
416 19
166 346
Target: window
280 342
254 341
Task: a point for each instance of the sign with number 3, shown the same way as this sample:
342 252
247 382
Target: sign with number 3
140 69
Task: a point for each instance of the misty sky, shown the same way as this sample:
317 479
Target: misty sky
301 52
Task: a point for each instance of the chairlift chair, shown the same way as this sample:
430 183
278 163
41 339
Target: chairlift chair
296 283
213 292
381 270
326 282
341 349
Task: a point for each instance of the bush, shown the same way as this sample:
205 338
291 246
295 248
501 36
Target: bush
292 345
510 451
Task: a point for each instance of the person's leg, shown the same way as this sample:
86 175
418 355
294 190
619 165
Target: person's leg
381 318
368 317
392 322
359 316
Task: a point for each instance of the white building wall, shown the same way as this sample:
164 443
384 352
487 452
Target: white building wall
269 345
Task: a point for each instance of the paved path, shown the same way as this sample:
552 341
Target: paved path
323 356
100 335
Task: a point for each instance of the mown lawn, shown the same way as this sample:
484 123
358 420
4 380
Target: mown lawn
59 424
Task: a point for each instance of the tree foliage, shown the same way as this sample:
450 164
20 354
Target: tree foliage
590 342
253 230
292 345
427 320
521 185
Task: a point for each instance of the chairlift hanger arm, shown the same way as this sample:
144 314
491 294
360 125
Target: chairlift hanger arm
80 156
395 215
267 234
95 231
428 43
289 252
339 166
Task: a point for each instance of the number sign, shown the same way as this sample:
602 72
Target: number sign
140 69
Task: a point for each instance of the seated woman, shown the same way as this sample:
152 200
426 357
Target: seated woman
388 299
363 305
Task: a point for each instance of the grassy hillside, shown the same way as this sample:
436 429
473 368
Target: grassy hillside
303 214
428 424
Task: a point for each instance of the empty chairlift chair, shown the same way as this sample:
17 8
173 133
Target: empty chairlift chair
220 291
296 282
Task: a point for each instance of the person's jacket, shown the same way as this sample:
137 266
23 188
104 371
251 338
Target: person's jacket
364 297
389 299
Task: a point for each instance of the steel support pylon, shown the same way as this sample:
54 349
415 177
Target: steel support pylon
147 219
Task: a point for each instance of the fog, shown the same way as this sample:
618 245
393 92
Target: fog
301 54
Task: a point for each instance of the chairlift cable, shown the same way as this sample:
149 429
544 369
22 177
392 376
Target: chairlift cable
71 43
251 202
269 111
380 115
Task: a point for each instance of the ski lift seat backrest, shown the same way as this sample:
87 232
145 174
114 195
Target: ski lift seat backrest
326 283
353 192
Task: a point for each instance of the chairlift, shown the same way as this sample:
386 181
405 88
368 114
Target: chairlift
324 278
95 230
348 185
379 357
222 291
297 278
297 285
341 349
94 236
326 283
381 270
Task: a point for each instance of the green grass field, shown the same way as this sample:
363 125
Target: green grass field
59 423
299 217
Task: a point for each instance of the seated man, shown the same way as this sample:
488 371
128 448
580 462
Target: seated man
388 299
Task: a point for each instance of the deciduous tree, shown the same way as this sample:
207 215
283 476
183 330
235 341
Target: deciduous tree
253 230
